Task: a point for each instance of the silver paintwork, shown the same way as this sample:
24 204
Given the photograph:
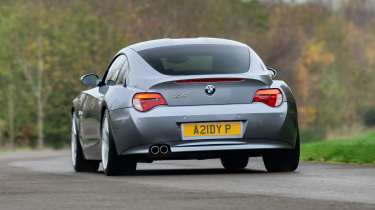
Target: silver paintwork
105 142
73 144
134 132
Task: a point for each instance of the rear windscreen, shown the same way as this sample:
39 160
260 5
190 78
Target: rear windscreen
198 59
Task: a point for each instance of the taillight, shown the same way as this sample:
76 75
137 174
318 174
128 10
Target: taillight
272 97
146 101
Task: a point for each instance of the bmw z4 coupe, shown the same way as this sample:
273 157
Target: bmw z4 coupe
195 98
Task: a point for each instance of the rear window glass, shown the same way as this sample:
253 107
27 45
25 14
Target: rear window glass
198 59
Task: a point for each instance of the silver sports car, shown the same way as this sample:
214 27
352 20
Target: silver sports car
195 98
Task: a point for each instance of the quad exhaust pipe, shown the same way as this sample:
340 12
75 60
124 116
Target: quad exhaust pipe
164 149
155 150
159 149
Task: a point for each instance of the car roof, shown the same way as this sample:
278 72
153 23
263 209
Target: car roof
182 41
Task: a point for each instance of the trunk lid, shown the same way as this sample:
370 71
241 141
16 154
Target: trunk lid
211 90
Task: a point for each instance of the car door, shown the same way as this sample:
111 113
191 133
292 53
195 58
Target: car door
92 109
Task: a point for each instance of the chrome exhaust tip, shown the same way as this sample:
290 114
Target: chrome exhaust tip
164 149
155 150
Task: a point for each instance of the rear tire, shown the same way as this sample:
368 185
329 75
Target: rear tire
235 162
283 160
80 164
113 164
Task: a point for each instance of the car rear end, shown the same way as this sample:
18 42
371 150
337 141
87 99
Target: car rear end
203 101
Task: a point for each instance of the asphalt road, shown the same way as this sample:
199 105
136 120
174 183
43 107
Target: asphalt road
45 180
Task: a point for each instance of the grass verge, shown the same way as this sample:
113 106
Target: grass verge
359 150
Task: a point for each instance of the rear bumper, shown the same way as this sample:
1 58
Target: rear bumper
210 146
211 149
264 128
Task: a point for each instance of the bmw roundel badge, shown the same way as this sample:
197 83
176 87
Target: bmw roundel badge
210 89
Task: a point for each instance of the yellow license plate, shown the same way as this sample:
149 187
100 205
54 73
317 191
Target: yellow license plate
211 130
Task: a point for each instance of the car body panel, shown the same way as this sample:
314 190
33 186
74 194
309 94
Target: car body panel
183 41
162 124
90 121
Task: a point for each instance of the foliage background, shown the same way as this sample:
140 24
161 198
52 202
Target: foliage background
326 55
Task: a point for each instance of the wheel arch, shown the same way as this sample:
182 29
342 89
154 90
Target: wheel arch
102 112
104 107
290 128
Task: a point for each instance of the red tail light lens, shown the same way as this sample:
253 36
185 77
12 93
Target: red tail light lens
146 101
272 97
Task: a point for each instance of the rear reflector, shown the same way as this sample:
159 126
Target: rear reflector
146 101
209 80
272 97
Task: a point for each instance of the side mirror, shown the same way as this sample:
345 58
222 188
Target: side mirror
273 72
90 80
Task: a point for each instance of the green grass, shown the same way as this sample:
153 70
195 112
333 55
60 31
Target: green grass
359 150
